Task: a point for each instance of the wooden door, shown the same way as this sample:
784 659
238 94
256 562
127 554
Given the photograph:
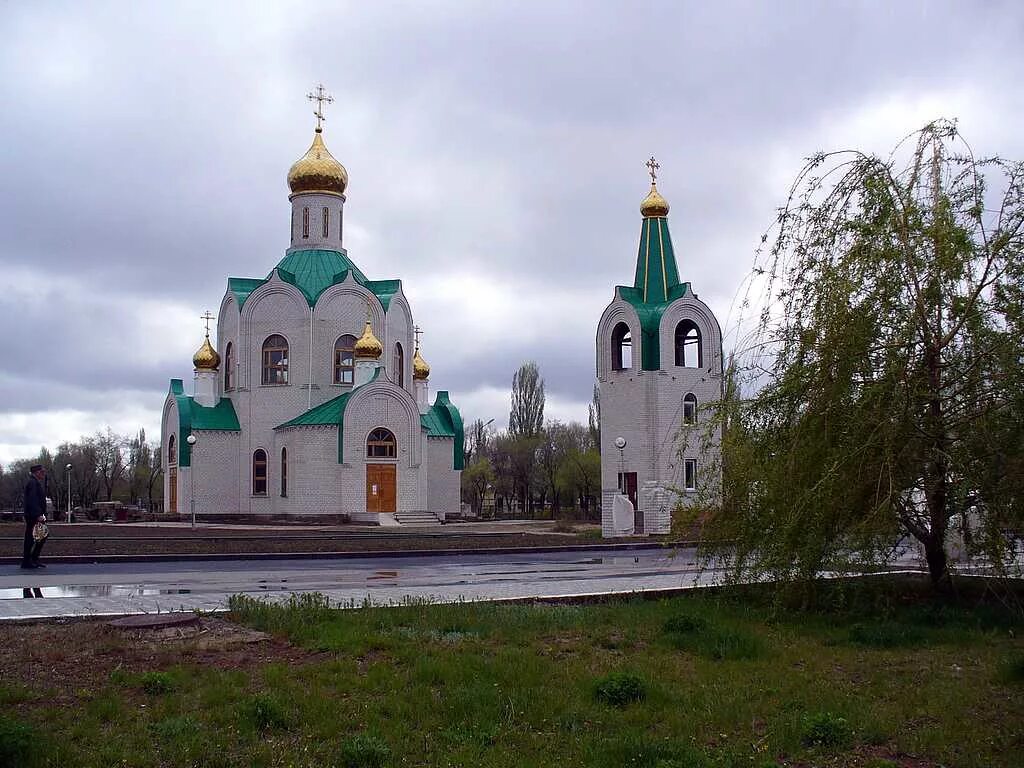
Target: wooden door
381 488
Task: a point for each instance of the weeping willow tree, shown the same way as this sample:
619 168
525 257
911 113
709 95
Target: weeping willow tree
882 399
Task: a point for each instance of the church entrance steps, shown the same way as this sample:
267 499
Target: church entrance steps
417 518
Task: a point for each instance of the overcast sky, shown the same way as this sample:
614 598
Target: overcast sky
496 154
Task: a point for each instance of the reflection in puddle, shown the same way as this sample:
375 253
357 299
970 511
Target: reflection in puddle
97 590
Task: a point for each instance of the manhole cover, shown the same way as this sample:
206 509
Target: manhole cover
156 621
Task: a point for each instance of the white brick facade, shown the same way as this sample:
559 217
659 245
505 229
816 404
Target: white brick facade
317 484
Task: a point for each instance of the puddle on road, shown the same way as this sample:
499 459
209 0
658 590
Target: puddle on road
94 590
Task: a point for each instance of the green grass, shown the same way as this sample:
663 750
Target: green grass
702 681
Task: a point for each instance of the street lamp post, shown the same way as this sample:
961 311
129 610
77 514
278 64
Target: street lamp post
68 470
191 440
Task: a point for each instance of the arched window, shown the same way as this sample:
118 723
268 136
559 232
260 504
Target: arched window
688 346
398 365
172 454
259 472
381 445
229 367
622 348
326 222
339 223
284 472
690 408
275 360
305 222
344 360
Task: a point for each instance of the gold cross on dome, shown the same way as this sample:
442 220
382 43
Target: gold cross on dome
207 317
653 168
417 331
321 97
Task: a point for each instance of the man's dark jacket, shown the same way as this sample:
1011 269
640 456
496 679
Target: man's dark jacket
35 500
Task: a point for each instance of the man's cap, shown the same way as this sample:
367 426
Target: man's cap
35 468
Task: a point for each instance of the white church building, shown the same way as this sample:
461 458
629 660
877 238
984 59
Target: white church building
313 398
659 363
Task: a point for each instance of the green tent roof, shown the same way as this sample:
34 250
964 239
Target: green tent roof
655 286
313 272
195 417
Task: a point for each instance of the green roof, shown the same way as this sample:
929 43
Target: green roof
442 420
313 272
242 287
655 286
195 417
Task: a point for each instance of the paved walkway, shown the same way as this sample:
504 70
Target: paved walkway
128 588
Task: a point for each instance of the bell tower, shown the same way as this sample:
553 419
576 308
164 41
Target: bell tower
659 363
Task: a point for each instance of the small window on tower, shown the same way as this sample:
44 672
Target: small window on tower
688 346
622 348
305 222
327 222
690 408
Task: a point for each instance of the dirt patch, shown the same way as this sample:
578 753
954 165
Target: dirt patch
69 659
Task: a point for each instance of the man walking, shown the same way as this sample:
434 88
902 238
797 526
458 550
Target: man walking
35 511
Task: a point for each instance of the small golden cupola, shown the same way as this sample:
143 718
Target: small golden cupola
368 347
317 170
654 205
206 357
420 369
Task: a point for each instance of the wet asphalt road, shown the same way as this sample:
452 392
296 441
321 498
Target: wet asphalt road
123 588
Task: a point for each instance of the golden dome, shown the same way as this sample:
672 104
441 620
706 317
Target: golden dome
368 347
318 171
654 204
206 357
420 369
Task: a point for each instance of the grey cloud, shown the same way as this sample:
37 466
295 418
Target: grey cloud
145 149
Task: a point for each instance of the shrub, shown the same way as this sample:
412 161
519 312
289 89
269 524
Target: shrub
619 689
826 729
364 751
266 713
18 743
156 683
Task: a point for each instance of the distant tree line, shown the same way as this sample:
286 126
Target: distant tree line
104 467
537 466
